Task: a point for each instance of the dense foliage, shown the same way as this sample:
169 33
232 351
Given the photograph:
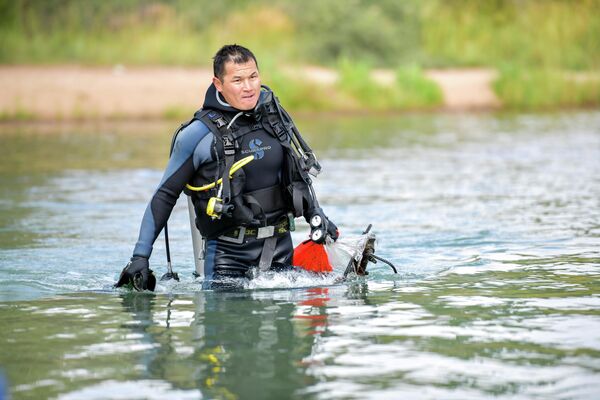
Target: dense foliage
388 33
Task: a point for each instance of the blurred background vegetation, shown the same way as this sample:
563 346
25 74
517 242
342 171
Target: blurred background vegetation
526 41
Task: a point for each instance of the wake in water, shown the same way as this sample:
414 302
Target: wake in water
348 259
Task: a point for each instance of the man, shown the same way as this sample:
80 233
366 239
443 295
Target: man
246 167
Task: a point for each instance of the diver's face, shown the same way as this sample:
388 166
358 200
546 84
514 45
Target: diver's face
240 85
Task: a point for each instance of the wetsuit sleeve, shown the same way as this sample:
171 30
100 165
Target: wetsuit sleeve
191 149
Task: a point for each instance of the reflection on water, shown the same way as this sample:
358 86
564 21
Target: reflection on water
225 345
531 332
492 221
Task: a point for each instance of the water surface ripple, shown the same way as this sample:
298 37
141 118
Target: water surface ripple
492 221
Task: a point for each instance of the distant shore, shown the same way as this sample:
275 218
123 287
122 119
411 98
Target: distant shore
68 92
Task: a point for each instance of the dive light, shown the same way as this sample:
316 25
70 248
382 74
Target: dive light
316 228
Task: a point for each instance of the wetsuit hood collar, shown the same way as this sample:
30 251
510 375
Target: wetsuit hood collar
214 100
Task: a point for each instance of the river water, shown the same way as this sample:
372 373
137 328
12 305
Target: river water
493 222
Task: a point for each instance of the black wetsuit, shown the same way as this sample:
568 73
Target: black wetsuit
193 148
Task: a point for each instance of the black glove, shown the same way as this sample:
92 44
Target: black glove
321 227
137 273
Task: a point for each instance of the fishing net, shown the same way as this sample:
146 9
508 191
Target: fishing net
346 254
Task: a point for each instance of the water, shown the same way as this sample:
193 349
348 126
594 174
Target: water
492 221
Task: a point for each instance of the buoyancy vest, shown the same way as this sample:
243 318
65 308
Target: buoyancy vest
292 194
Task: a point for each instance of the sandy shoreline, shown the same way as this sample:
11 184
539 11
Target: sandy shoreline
68 92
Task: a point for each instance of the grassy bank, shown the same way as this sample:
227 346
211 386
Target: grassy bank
410 89
543 89
522 38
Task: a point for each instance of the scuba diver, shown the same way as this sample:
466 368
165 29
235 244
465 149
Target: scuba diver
247 170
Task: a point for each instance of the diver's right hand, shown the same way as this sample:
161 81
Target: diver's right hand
137 273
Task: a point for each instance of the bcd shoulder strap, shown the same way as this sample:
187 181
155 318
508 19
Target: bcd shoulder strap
216 122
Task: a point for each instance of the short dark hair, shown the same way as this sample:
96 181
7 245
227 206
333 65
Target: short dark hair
231 52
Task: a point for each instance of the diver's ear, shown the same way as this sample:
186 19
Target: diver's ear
218 84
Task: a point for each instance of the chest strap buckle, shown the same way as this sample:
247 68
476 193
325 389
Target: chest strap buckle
217 119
